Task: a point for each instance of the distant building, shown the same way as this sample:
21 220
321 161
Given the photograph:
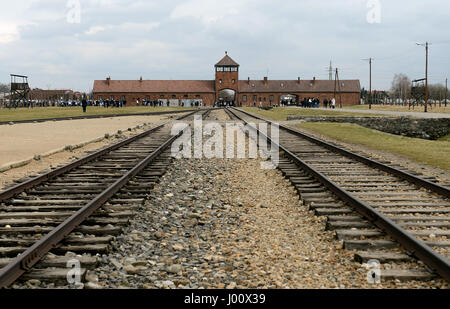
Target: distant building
226 88
51 95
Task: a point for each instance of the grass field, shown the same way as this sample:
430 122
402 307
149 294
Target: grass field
433 153
431 109
281 113
61 112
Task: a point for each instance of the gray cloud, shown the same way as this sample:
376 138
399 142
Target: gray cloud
183 40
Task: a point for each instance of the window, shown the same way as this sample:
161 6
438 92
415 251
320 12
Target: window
100 98
233 81
234 69
227 69
254 98
123 98
271 98
244 98
220 81
264 99
147 98
282 84
112 97
219 69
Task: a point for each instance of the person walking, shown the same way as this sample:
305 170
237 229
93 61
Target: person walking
84 104
333 103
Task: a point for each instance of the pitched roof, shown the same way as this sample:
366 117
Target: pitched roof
201 86
295 86
227 61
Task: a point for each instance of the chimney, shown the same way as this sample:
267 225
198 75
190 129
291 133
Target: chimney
140 79
249 80
314 80
299 80
265 80
108 80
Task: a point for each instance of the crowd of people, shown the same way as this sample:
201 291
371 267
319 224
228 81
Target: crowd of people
224 104
155 103
310 103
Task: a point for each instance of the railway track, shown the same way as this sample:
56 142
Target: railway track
384 213
74 211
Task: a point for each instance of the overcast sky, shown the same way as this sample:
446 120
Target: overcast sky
172 39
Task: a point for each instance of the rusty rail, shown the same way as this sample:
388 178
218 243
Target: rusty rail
35 253
420 250
8 193
444 191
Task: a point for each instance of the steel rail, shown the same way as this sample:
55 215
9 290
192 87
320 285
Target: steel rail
417 248
35 253
19 188
437 188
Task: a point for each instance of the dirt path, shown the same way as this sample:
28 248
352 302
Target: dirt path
22 141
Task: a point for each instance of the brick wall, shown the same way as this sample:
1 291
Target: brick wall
264 98
227 82
131 98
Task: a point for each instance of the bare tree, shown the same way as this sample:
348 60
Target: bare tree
4 89
401 86
436 91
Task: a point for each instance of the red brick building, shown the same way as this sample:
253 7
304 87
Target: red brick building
226 87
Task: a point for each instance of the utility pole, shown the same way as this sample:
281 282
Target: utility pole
370 81
426 44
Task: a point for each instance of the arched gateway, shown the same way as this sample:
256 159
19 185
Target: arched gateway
227 97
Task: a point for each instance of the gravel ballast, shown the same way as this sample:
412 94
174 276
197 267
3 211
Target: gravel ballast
218 224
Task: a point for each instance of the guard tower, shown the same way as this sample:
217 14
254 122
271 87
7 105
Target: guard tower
227 80
19 90
418 90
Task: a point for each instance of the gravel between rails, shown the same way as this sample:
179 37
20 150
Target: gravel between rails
217 224
206 226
